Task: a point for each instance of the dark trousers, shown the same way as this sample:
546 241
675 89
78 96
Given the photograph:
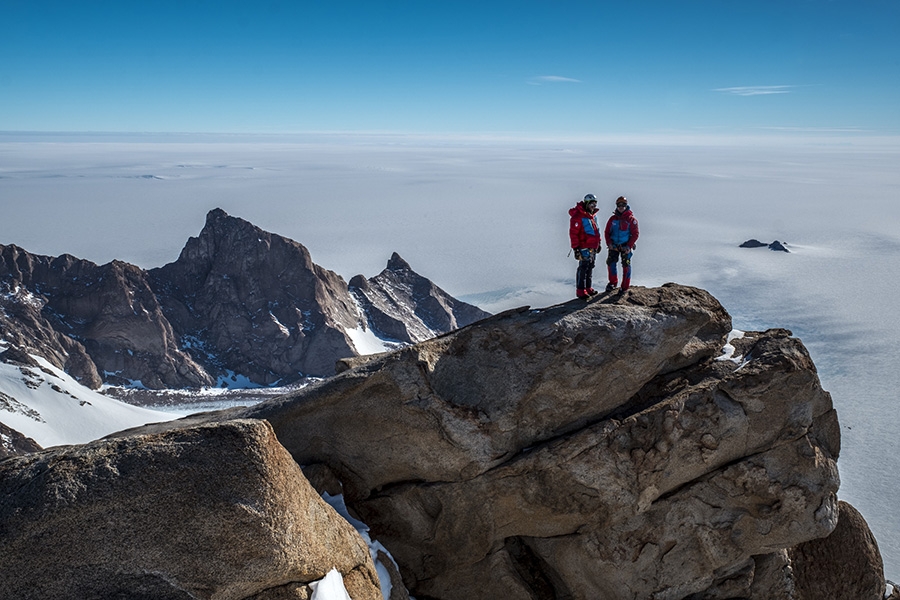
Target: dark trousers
611 260
585 273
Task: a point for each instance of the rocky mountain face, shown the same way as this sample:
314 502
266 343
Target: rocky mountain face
97 322
238 302
402 305
13 443
600 450
248 301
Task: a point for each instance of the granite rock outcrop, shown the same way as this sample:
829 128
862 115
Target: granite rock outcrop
588 450
214 511
845 565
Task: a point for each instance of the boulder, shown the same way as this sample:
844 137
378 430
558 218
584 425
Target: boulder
586 450
217 510
845 565
460 404
667 498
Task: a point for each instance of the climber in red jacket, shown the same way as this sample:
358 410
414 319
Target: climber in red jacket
585 238
621 234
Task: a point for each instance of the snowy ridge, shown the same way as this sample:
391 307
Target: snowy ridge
47 405
364 338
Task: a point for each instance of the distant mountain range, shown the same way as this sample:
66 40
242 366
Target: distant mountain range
239 307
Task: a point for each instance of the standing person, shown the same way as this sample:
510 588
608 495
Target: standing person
585 237
621 234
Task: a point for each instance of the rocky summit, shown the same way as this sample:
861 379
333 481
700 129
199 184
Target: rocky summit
239 304
583 451
600 450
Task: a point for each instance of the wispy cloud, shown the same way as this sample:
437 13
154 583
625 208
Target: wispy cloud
542 79
820 129
755 90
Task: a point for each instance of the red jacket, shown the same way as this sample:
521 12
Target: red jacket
583 230
622 229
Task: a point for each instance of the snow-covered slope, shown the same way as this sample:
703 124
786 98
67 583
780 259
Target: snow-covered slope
43 403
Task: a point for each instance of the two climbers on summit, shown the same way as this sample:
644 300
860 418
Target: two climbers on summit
621 234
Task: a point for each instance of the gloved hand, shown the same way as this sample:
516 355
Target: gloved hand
577 253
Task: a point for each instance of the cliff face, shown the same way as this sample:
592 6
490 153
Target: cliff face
239 302
238 295
98 322
593 450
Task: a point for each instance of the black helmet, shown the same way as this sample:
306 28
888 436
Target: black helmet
589 198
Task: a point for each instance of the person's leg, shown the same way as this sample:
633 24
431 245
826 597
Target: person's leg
611 270
580 276
626 270
589 274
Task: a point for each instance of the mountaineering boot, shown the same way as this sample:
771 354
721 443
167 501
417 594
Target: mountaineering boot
610 286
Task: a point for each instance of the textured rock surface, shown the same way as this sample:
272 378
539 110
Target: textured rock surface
465 402
845 565
23 324
13 443
91 320
242 296
402 305
593 451
214 511
586 450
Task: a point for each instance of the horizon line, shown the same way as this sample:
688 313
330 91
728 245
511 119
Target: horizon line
673 136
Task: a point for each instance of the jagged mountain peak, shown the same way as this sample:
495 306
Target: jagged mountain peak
396 263
100 323
216 214
405 306
230 244
240 305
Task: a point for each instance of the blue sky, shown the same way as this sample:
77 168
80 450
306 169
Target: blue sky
524 67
